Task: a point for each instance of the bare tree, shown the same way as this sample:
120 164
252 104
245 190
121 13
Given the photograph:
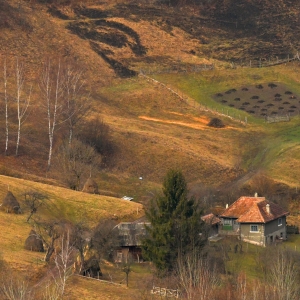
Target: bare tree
126 267
33 200
49 232
284 275
5 76
16 290
52 90
104 239
196 277
62 90
63 265
80 238
241 287
263 185
75 160
50 292
22 102
77 104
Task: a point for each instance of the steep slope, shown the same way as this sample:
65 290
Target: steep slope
152 129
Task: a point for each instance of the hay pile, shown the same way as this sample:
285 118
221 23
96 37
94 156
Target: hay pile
217 123
34 242
10 204
90 187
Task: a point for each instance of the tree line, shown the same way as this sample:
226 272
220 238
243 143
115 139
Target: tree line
56 106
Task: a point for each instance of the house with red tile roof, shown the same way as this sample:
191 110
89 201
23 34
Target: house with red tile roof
255 220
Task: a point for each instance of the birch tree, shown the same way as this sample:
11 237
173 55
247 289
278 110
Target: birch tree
22 102
6 105
62 91
52 90
64 265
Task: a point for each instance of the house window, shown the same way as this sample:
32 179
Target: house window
227 221
253 228
279 221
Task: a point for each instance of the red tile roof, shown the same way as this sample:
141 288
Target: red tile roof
210 219
240 206
254 210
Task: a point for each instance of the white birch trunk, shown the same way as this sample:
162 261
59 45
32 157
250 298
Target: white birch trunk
22 105
52 104
6 106
19 84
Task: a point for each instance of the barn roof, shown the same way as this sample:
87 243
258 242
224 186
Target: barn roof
131 233
210 219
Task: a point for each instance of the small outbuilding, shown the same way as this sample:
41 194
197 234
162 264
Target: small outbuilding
212 223
91 268
90 186
10 204
130 236
34 242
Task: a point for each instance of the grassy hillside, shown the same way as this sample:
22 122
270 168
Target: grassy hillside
62 204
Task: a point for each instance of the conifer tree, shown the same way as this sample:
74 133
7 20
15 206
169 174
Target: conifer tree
175 224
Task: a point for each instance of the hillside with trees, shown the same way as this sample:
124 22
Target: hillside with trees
101 99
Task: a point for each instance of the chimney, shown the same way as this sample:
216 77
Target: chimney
268 208
255 195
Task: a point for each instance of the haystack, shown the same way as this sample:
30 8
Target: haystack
34 242
10 204
90 186
217 123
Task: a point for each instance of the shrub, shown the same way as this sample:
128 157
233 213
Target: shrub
97 134
217 123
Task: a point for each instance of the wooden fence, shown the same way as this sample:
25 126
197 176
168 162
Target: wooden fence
276 119
100 280
191 101
164 292
178 69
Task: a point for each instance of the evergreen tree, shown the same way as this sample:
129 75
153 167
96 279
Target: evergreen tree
175 224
